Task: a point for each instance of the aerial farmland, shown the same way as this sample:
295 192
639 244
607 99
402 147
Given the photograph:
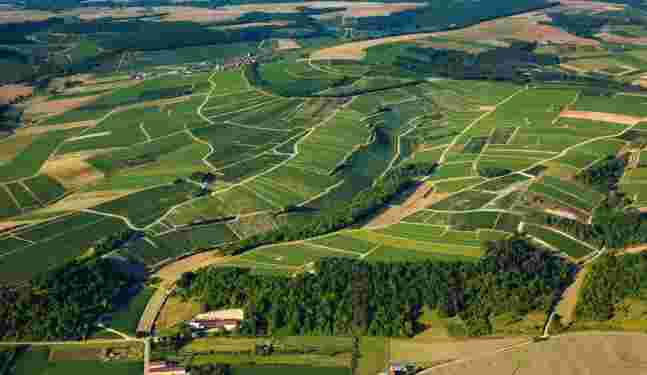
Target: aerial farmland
372 186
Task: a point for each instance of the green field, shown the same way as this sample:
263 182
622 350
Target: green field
573 248
55 243
29 160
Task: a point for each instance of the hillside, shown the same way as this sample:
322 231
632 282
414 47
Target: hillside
366 181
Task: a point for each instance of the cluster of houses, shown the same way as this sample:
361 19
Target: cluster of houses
236 62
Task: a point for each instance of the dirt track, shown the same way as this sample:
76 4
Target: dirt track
421 198
604 117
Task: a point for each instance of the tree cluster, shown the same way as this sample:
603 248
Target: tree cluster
348 297
614 225
604 175
64 303
610 280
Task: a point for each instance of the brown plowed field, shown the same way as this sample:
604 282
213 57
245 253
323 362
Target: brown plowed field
602 116
10 92
589 353
54 107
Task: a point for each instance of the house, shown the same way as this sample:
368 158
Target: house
166 368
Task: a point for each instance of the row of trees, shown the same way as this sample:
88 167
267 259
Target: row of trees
355 297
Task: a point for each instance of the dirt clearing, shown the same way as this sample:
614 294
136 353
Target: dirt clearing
286 44
589 353
55 107
566 307
602 116
422 197
9 93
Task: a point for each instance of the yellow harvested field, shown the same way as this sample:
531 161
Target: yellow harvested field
438 350
175 311
35 130
602 116
587 353
10 92
172 272
357 50
72 171
17 16
79 201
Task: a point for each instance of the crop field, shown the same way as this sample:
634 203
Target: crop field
297 255
329 145
28 162
559 241
145 207
541 107
54 243
629 105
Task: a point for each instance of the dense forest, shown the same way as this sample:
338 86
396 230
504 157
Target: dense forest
349 296
612 278
64 303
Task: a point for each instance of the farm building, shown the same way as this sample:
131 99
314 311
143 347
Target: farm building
227 320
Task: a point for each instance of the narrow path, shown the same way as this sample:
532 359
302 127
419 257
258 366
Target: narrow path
143 129
443 156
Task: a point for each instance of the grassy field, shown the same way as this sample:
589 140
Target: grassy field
29 160
54 243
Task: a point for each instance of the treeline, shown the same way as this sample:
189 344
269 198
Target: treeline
518 62
363 205
63 303
605 174
611 279
386 299
614 224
